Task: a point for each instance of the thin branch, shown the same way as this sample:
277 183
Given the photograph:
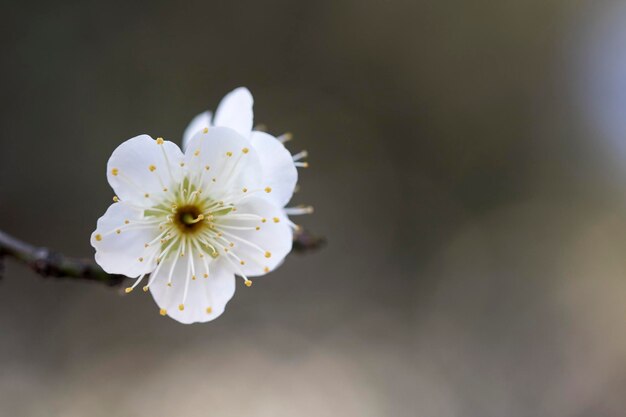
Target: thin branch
48 263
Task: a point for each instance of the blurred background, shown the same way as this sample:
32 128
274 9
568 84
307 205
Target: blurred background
467 169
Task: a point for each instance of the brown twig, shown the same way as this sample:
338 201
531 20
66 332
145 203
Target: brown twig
48 263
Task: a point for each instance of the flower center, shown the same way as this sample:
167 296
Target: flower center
188 218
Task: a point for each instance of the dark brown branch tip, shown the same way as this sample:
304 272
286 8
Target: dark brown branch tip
304 241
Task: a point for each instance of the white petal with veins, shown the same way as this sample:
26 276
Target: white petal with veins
119 240
225 160
279 171
235 111
140 169
206 297
261 243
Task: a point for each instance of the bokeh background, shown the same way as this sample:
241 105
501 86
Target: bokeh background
467 169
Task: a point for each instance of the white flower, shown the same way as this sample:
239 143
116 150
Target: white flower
185 224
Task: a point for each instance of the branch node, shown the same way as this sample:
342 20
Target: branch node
45 263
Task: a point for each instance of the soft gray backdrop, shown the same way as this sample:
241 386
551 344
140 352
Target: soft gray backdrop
473 205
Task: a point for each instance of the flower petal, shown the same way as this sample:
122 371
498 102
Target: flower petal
235 111
261 250
279 171
198 123
206 297
226 160
120 253
140 168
